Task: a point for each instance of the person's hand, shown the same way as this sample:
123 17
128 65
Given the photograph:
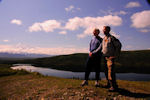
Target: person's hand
90 54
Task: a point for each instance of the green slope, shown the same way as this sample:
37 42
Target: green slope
73 62
129 61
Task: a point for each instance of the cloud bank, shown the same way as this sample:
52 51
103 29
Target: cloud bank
73 24
20 48
89 23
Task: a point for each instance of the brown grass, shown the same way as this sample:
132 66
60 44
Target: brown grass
38 87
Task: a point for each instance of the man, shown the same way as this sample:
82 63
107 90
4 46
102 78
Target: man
110 52
94 58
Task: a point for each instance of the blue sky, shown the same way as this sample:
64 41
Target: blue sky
65 26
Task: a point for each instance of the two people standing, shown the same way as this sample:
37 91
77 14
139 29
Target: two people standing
109 48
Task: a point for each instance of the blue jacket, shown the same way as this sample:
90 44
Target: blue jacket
96 46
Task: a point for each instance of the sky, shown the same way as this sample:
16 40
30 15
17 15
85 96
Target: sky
59 27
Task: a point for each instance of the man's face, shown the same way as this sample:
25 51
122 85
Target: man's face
95 33
105 30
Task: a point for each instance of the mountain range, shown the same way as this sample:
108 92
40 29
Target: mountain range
22 55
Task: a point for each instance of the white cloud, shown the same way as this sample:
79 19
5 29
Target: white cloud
35 27
63 32
20 48
114 13
133 4
5 40
145 30
89 23
141 20
71 8
78 8
122 12
16 21
117 13
47 26
73 23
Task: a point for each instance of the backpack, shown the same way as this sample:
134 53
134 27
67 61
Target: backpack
117 45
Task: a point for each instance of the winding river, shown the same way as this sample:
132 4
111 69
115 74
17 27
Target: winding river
80 75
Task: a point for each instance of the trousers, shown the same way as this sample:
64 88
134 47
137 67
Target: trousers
93 63
110 72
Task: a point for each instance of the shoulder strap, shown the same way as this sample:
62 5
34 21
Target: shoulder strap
114 41
113 38
99 38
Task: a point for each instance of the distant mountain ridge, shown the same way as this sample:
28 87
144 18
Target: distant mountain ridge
128 62
22 55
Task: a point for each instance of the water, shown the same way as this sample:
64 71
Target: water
80 75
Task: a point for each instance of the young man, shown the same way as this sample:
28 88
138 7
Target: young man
94 58
110 52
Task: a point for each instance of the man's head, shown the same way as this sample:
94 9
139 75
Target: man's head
96 32
106 30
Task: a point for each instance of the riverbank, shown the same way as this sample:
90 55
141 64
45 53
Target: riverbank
128 62
80 75
31 86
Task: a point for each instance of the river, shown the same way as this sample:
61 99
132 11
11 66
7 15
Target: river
80 75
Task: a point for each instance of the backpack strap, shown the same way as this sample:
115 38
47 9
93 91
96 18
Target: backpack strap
99 38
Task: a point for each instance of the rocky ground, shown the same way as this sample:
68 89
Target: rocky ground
38 87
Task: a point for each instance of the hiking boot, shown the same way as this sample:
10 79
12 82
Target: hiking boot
84 83
112 89
97 84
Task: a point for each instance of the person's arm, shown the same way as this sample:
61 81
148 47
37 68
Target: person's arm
90 46
98 49
90 54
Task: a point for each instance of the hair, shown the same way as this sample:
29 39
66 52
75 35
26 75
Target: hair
96 29
107 27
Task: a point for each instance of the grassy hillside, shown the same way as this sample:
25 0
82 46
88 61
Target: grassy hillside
129 61
73 62
32 86
134 61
